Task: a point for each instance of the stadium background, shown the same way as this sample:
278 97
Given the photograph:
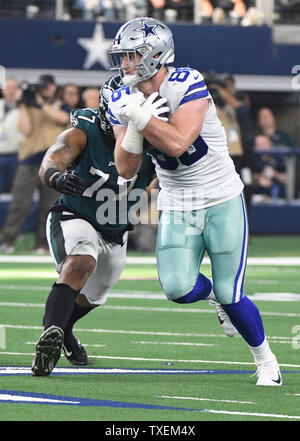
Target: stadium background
138 343
263 60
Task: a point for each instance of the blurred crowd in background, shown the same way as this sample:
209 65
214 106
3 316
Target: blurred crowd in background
244 12
32 116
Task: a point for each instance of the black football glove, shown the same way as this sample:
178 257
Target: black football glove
68 183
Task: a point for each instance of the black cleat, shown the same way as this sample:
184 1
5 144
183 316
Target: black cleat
74 351
48 351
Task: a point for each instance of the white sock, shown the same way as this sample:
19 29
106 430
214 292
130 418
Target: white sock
262 353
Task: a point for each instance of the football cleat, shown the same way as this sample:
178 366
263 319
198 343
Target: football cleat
268 373
224 320
48 351
74 351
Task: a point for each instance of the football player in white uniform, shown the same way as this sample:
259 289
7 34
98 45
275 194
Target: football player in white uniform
201 200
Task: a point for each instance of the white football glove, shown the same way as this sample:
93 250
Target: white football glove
127 103
155 107
139 110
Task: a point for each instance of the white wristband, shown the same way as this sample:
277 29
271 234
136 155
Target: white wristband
133 140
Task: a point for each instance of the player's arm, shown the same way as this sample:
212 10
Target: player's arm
129 140
68 146
175 137
127 163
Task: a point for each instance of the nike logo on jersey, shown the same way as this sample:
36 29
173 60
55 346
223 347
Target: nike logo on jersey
196 76
111 163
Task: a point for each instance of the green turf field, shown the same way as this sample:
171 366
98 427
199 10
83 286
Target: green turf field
150 359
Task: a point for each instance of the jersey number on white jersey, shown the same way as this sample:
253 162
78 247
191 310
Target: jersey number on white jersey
195 152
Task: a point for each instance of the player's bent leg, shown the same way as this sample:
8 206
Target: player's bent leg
229 263
58 310
72 243
226 242
76 270
60 303
110 264
226 238
179 252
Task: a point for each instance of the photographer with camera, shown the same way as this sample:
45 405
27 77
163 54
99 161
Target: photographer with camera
10 136
41 120
233 111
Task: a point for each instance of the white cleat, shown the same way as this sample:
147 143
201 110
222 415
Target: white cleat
268 373
224 320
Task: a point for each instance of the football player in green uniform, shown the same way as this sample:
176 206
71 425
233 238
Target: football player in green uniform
89 246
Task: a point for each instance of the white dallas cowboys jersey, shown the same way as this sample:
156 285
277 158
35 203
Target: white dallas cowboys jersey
204 175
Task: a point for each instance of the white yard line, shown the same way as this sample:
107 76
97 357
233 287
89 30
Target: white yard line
170 343
268 261
205 399
254 414
165 360
8 370
22 399
121 331
150 295
148 309
85 344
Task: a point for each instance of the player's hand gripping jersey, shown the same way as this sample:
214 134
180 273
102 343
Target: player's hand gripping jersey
204 175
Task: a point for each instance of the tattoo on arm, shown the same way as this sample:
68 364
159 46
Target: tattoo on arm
67 147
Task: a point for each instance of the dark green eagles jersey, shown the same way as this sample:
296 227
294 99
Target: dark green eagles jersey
108 197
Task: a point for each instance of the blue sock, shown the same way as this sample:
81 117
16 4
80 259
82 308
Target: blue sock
201 291
245 316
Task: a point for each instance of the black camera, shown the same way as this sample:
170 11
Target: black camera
31 90
212 78
29 94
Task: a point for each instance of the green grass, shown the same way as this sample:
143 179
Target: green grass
121 329
148 333
259 246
